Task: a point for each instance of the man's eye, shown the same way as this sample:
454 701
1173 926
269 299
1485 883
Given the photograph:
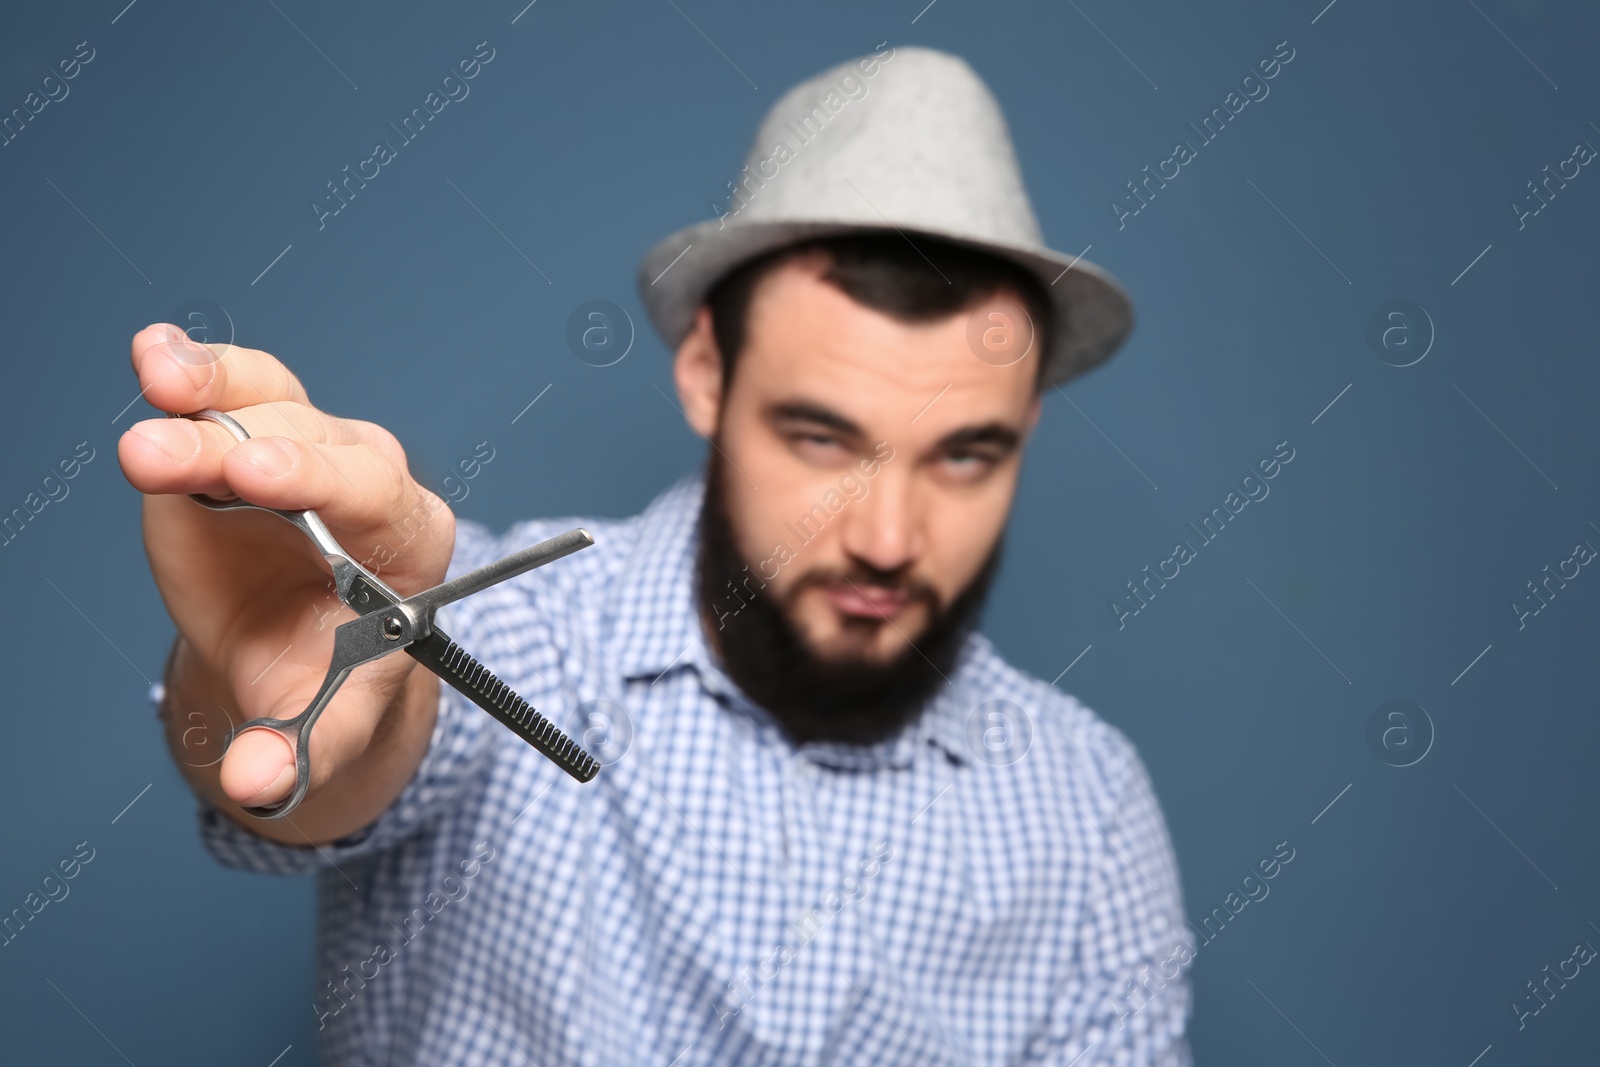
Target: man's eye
811 441
968 463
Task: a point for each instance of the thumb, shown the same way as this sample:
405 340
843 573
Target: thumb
258 768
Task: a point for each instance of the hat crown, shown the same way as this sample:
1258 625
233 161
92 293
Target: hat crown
908 140
909 136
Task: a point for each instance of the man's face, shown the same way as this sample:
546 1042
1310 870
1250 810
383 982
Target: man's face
873 461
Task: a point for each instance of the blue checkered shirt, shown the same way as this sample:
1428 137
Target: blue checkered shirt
994 885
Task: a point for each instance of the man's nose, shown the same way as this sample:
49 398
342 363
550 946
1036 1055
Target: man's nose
882 529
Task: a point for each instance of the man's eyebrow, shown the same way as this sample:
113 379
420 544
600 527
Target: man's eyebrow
997 433
989 433
810 411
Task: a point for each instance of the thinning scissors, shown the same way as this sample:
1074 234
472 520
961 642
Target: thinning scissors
389 623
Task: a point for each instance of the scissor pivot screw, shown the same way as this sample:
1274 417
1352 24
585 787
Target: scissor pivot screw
392 628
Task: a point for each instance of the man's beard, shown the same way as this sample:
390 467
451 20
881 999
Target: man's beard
850 700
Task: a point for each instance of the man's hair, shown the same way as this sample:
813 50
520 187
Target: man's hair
930 280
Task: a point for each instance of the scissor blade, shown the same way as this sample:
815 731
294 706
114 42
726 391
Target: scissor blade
478 684
517 563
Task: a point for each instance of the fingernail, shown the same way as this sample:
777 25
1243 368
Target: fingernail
162 335
178 438
269 455
279 788
197 360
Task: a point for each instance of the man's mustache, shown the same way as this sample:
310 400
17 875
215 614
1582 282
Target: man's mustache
902 582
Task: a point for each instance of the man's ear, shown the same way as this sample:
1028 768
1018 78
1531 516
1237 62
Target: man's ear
697 372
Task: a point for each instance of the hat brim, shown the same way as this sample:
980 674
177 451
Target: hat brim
681 269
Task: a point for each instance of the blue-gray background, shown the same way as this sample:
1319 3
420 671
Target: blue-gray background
1385 159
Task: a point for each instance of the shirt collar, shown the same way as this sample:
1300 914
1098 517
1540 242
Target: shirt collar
655 621
653 616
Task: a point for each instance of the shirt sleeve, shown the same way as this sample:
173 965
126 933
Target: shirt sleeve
461 748
1128 1002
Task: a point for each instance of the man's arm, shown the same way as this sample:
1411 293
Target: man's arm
249 592
1129 998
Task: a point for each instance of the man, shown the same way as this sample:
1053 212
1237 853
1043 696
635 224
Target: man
832 825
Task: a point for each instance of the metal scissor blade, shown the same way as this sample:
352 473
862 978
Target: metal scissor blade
478 684
527 559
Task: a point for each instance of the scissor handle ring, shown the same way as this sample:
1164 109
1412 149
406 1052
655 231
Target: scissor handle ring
359 641
232 425
345 569
300 741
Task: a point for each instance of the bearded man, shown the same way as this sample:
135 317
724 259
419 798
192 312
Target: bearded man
832 825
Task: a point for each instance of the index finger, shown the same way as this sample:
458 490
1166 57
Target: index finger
177 374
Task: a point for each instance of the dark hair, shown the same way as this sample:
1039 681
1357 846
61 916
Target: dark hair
931 279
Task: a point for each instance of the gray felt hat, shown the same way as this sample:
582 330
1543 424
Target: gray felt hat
906 139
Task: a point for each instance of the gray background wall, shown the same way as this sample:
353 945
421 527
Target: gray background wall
1383 565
